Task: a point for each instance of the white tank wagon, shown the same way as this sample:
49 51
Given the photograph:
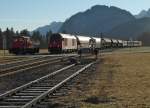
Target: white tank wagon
125 44
137 43
114 43
84 43
134 43
106 43
98 43
120 43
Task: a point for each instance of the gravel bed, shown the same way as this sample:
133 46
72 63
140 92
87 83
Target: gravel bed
63 98
16 80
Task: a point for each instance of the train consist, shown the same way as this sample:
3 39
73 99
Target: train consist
24 45
60 43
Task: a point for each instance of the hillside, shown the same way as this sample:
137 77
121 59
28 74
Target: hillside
143 14
131 29
96 20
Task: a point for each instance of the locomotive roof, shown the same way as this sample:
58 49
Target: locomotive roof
27 37
67 36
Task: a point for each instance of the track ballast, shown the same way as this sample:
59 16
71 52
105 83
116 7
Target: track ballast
28 95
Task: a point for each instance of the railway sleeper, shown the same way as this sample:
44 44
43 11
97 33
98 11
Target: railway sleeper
45 83
10 106
50 82
18 97
41 106
40 88
12 103
17 100
28 94
37 89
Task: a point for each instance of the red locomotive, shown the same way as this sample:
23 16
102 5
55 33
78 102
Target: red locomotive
24 45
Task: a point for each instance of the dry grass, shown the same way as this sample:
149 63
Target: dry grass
131 79
124 80
121 81
134 49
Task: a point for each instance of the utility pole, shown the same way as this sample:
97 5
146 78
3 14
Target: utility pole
4 44
101 40
101 36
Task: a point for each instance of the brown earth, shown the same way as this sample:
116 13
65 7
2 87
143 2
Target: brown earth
120 81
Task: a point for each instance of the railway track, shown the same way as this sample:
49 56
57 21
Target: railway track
30 66
30 94
31 59
7 60
20 62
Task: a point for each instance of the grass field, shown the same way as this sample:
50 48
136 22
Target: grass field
122 80
135 49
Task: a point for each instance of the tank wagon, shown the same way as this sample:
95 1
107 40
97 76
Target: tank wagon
85 43
134 43
24 45
120 44
114 43
106 43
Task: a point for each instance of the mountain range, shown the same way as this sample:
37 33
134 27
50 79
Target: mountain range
113 22
54 27
143 14
96 20
132 29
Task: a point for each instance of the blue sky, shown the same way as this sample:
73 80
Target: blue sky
30 14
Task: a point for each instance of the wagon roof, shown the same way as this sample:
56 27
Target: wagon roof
120 41
114 41
83 38
97 39
107 40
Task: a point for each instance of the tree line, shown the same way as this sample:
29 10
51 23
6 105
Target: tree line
145 38
9 34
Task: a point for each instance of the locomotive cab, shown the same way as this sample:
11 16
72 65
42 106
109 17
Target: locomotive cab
55 44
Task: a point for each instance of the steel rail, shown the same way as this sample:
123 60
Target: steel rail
39 64
29 94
